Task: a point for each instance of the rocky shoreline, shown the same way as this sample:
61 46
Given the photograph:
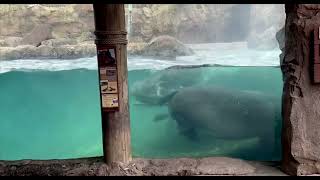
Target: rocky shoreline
45 31
48 52
160 47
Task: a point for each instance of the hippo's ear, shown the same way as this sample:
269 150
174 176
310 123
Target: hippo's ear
161 117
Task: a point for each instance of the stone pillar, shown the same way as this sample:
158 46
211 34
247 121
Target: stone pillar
301 99
111 33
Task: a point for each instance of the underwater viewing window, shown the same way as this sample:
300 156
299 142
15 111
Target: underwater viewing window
207 88
206 111
49 114
204 80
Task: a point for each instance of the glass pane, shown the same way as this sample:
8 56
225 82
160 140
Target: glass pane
49 98
204 80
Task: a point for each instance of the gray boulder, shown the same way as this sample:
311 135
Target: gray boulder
40 33
166 47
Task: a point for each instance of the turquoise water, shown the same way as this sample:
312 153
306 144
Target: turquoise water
56 115
47 115
162 139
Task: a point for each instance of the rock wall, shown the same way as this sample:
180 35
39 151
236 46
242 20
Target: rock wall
67 21
71 26
266 21
208 23
301 99
46 31
191 23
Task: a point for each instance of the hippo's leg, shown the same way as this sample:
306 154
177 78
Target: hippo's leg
184 127
188 132
191 134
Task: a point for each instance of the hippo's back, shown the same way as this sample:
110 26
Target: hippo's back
222 112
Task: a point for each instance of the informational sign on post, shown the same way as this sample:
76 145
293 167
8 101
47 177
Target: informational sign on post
107 63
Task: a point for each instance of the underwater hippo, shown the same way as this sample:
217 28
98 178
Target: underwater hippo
153 89
223 113
165 82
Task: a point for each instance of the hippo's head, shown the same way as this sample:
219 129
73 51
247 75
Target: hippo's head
153 89
151 92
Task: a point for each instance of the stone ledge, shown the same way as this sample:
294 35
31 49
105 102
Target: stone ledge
139 167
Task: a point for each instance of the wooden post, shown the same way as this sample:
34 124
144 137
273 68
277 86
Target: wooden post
110 32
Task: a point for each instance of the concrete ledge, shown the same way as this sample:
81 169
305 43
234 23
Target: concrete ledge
139 167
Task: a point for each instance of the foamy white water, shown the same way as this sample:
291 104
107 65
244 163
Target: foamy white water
236 54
